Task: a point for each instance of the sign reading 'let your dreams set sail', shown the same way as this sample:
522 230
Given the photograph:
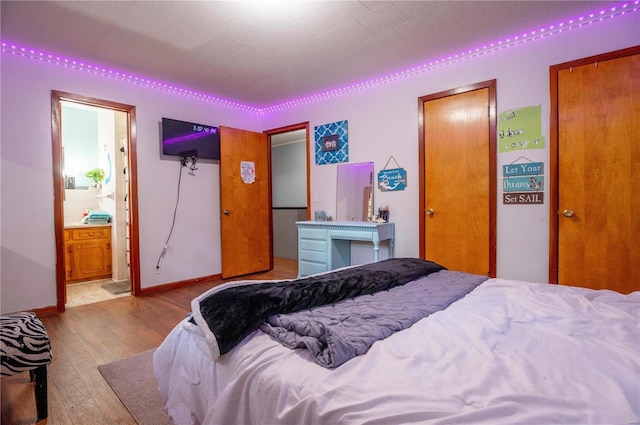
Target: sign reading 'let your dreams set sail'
523 183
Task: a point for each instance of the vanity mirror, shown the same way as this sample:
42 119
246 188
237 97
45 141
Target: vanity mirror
355 192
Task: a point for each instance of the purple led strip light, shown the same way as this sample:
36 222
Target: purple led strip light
618 10
119 75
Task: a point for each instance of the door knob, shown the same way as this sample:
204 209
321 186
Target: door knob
430 211
226 212
567 213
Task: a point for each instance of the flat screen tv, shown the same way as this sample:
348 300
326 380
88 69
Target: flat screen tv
187 139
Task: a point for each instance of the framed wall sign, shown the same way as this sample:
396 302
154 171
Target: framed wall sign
392 179
332 143
523 183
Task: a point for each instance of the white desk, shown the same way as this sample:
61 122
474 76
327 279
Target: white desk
326 245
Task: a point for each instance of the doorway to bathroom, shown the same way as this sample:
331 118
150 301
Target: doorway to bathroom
94 169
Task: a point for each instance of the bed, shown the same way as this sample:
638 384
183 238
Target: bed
497 352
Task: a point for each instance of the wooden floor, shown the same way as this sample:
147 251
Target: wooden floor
84 337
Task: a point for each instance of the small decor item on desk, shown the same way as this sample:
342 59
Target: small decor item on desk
320 216
383 214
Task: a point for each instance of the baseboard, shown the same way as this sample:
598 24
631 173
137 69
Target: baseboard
180 284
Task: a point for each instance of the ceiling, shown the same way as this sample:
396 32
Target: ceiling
262 53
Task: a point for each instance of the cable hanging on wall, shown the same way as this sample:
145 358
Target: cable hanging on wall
192 167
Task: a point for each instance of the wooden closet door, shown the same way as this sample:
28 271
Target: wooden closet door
598 173
459 229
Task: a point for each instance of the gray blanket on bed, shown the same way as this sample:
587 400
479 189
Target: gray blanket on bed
336 333
228 313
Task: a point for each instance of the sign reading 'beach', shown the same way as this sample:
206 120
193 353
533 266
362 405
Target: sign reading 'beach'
392 179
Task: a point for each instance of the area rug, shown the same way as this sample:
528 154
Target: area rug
116 288
134 383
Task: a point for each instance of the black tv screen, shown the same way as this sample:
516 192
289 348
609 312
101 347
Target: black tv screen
181 138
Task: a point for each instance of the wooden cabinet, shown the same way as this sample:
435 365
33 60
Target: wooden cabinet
87 253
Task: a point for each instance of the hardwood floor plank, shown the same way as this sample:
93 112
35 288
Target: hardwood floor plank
84 337
85 395
57 408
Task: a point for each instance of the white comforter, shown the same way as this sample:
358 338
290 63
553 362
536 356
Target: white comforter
508 353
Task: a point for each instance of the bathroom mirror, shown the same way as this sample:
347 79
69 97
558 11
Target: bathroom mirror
80 129
355 192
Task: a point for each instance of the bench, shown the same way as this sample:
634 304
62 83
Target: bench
25 346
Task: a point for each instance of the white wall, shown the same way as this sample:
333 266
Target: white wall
27 278
382 122
288 175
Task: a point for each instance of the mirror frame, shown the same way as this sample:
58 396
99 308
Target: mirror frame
354 192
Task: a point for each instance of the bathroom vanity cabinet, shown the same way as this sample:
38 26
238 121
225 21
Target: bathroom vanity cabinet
87 253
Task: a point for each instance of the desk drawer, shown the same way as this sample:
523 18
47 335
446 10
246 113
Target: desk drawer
314 256
313 245
312 234
305 269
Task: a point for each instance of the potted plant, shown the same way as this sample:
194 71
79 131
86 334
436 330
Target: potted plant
97 174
